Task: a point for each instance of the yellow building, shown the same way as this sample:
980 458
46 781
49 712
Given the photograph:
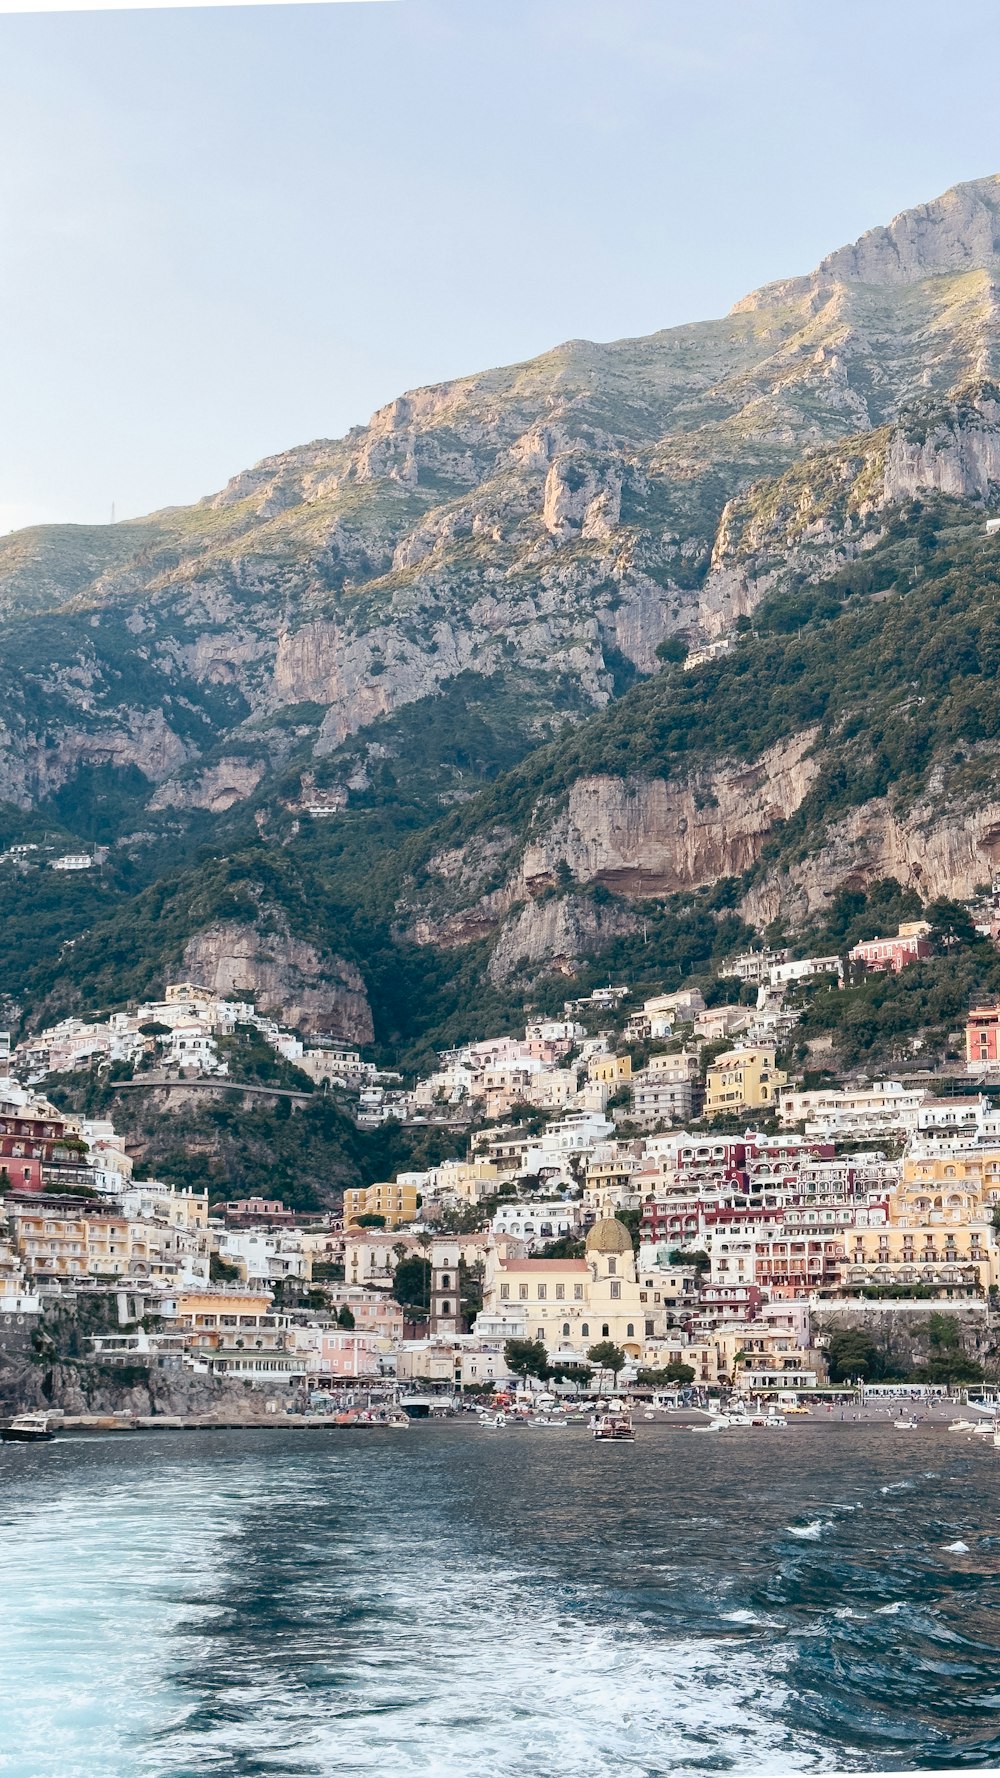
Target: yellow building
613 1070
393 1199
743 1080
50 1240
199 1310
955 1259
573 1304
954 1188
469 1180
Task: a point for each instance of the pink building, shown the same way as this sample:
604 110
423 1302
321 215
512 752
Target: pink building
344 1355
909 945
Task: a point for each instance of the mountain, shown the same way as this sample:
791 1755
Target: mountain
461 629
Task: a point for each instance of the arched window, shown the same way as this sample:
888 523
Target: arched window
565 1330
630 1330
585 1330
446 1282
605 1330
446 1308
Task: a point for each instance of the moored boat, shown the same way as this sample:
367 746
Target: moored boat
27 1429
614 1426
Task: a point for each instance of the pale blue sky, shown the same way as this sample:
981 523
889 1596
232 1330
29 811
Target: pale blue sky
226 232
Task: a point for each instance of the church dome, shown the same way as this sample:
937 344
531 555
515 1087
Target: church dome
609 1236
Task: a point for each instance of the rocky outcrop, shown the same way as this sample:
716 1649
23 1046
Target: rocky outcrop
634 836
216 788
955 451
937 846
34 766
558 932
653 836
298 983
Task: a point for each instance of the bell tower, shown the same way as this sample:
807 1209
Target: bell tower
445 1298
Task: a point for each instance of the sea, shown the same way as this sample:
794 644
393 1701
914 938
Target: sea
453 1602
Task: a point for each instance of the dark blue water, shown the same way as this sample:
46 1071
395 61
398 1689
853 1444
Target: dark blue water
461 1604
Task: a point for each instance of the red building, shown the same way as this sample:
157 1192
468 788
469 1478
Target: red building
28 1144
982 1036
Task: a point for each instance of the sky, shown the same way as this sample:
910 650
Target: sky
224 232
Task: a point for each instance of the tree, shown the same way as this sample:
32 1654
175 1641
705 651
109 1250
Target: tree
662 1376
951 925
679 1256
571 1373
851 1354
527 1358
607 1356
345 1318
370 1220
411 1282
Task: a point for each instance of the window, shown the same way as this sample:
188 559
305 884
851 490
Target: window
522 1291
612 1267
542 1292
616 1288
605 1330
446 1282
578 1293
446 1308
629 1331
560 1292
585 1330
565 1329
504 1292
650 1326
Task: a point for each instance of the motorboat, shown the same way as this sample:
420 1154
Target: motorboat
493 1422
614 1426
550 1421
27 1429
906 1425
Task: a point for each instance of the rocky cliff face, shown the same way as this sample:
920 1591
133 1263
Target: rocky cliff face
559 516
298 983
545 527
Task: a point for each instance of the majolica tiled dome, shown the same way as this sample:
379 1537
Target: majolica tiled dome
609 1236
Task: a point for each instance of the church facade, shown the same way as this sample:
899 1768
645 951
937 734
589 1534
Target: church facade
573 1304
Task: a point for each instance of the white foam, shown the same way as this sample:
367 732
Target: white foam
813 1531
958 1548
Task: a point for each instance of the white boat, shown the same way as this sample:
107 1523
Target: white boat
776 1420
550 1421
905 1425
27 1429
614 1426
493 1422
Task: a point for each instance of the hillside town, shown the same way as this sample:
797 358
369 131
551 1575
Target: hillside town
644 1183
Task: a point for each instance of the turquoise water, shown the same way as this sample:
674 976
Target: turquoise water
459 1604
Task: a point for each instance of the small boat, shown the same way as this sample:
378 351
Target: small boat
547 1420
906 1425
493 1422
776 1420
27 1429
614 1426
